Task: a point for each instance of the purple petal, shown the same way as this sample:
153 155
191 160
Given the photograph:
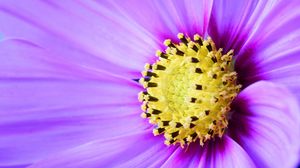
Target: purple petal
266 123
16 166
137 150
132 27
84 33
185 157
227 153
165 19
231 22
145 150
272 50
47 106
218 153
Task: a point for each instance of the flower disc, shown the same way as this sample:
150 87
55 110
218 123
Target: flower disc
188 91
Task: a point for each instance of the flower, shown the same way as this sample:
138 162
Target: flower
68 98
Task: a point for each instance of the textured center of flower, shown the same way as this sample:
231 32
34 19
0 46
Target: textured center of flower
188 91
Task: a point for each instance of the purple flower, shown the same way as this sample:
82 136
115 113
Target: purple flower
68 95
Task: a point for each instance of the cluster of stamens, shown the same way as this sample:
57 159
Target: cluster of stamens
188 91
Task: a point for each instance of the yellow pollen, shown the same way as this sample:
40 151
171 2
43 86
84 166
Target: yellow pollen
188 91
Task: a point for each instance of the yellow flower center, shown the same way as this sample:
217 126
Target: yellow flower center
188 91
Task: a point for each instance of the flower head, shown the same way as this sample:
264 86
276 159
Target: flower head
227 97
188 91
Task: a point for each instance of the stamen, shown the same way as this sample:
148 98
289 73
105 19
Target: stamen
194 60
198 70
182 38
188 91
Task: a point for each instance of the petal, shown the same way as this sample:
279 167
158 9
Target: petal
165 19
16 166
218 153
231 22
228 153
272 50
130 30
185 157
145 150
266 123
84 33
137 150
47 107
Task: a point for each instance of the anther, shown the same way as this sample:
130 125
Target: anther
175 134
194 118
210 132
160 130
198 39
159 67
142 95
192 125
194 135
151 84
198 87
198 70
195 48
151 98
194 60
178 125
144 106
146 115
169 43
180 53
148 73
209 48
215 122
161 54
147 67
182 38
206 112
172 141
165 123
143 80
154 111
214 59
193 100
